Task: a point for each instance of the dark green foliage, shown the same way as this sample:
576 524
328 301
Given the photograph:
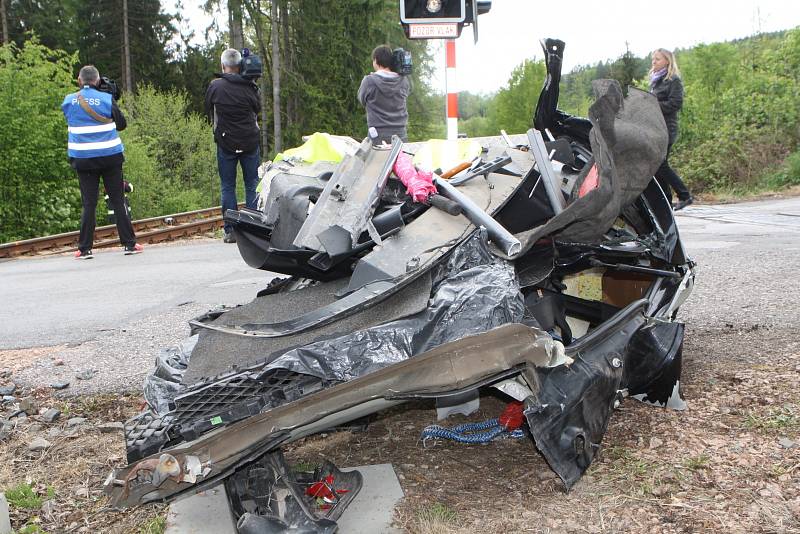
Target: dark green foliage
52 20
331 43
194 70
101 41
95 31
788 175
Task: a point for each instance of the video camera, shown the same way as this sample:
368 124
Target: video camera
401 62
109 86
250 67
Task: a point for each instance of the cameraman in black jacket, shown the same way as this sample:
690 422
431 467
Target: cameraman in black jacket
233 104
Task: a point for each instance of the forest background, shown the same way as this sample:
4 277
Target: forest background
740 125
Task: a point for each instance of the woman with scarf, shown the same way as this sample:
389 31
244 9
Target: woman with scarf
666 85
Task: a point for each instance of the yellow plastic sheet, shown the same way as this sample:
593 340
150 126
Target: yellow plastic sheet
443 154
319 147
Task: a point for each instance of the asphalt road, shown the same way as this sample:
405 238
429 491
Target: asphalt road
54 300
748 257
761 223
114 313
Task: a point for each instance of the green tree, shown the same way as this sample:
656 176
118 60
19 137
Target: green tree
472 104
195 66
95 31
576 90
38 190
513 106
52 20
628 68
150 30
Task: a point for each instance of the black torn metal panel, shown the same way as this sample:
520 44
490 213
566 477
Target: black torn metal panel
572 404
653 362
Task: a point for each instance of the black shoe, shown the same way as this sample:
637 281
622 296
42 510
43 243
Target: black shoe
683 203
136 248
83 255
228 237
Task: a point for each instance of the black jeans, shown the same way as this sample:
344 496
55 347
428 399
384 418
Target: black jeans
668 179
90 182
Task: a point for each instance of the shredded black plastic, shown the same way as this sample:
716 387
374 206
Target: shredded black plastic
161 387
472 293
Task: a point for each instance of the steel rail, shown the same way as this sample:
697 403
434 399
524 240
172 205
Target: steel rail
151 230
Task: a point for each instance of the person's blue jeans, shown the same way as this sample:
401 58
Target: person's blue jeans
226 161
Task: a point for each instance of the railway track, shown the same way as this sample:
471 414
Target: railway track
152 230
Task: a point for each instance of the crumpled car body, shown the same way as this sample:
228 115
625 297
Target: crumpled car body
387 300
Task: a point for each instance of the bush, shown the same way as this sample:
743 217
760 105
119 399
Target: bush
22 496
788 175
512 109
731 160
740 115
170 156
39 192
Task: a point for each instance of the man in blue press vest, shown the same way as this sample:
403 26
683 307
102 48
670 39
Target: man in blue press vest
95 150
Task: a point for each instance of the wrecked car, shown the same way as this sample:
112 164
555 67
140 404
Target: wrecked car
551 270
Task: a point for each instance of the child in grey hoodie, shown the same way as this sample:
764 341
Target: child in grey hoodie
384 94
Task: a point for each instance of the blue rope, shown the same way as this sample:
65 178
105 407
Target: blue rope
471 432
474 427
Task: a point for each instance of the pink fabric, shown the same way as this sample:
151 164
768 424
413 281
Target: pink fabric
419 184
591 182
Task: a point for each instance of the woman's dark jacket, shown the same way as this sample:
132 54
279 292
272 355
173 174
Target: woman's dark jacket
670 97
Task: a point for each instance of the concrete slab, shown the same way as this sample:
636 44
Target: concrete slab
371 512
208 511
5 520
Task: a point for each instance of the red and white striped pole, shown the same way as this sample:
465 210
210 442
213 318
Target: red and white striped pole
452 89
